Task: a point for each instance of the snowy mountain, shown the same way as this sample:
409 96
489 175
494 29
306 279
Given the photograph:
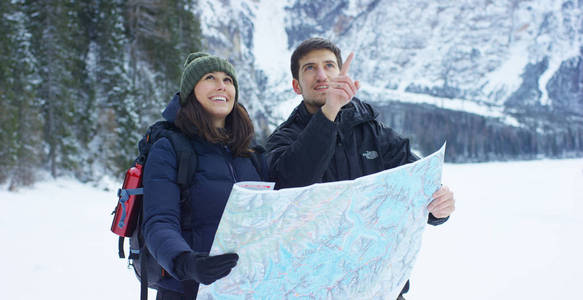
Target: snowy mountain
510 72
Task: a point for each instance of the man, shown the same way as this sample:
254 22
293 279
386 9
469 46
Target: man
332 135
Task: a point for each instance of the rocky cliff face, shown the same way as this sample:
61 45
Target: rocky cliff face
498 79
566 86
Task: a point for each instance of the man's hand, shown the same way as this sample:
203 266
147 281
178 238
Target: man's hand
443 203
340 90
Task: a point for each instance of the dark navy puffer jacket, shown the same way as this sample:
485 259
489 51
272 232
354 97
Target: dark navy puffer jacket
216 172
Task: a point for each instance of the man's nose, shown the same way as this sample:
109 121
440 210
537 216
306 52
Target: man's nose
321 75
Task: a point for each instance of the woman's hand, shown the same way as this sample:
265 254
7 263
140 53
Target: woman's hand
203 268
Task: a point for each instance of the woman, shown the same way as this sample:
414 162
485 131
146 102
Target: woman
220 132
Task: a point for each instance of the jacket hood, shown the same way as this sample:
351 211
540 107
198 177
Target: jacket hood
169 114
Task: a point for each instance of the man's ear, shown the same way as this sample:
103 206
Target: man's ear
296 86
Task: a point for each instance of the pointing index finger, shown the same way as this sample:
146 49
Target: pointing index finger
346 64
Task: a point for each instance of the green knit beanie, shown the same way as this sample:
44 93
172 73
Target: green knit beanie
197 65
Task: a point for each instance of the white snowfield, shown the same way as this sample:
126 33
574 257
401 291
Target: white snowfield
516 234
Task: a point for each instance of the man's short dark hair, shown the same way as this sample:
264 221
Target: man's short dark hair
308 45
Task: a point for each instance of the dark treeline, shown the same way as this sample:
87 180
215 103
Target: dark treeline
80 81
475 138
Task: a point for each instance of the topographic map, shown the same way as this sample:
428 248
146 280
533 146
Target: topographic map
354 239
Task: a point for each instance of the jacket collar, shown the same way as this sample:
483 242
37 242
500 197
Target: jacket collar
171 110
352 114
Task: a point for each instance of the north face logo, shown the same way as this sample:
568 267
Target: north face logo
370 154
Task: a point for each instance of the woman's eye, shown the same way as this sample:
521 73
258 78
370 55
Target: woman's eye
209 77
229 80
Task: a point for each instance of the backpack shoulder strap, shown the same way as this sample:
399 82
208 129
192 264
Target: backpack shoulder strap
186 158
187 161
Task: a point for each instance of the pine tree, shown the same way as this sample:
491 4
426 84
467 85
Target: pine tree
86 108
161 33
117 133
19 126
58 44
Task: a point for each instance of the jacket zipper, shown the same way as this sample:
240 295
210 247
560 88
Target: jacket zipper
230 166
232 172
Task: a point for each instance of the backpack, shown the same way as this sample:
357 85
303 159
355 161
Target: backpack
127 219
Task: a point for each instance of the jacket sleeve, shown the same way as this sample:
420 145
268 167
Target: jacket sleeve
161 226
396 150
432 220
300 158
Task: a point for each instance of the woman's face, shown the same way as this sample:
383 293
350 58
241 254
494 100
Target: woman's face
216 93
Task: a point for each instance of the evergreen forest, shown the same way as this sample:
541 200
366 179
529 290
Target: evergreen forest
81 80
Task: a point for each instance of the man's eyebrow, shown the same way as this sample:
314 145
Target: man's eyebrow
330 61
308 64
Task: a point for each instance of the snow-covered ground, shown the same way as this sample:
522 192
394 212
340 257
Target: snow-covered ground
516 234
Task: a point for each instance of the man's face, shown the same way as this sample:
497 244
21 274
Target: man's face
316 68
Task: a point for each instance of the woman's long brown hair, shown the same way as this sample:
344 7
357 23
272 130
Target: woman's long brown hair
193 120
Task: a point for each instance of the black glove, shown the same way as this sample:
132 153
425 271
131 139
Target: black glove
203 268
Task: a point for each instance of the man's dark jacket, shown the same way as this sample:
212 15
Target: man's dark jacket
308 149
